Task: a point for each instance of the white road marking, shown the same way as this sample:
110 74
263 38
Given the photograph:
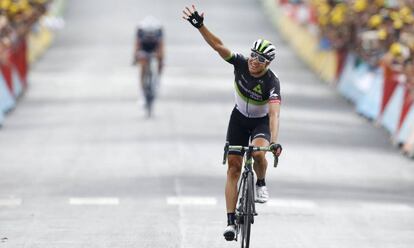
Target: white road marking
186 200
291 203
181 214
94 201
10 202
385 206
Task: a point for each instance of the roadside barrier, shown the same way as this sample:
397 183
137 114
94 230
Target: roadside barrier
7 100
382 96
1 118
369 105
408 147
355 79
14 66
392 112
13 77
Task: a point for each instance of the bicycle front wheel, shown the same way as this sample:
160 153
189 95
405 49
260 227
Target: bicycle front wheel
148 92
247 212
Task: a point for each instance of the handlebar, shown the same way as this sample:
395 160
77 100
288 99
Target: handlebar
228 147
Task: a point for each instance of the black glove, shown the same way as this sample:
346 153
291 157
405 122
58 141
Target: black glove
276 147
196 20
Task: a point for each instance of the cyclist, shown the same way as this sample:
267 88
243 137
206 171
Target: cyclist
149 40
255 117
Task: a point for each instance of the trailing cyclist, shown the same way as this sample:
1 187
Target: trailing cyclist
255 117
149 42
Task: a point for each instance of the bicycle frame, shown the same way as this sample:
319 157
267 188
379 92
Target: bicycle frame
248 170
246 209
150 81
151 73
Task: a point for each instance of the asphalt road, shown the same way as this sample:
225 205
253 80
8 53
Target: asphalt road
81 166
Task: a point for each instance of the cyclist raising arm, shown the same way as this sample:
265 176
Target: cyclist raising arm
255 118
197 21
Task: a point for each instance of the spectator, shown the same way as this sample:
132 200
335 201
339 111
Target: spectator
16 20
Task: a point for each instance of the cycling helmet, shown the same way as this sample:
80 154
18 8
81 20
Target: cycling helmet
264 48
150 23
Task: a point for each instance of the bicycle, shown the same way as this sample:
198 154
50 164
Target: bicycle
150 83
246 210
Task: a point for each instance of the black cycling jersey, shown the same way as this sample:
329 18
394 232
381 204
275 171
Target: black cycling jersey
149 40
252 94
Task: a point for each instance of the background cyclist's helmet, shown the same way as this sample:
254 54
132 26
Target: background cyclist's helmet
150 24
264 48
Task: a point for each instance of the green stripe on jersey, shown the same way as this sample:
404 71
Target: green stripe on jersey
229 57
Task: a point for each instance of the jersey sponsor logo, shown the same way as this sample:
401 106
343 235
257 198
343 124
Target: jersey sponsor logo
248 93
273 94
258 89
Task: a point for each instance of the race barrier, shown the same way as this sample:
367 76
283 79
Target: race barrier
369 105
378 93
13 78
14 68
383 96
392 111
7 100
1 118
408 147
406 134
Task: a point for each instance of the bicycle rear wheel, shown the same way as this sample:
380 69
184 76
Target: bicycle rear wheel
247 212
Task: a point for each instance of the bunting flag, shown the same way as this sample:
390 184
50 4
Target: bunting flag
341 59
390 83
6 71
19 61
407 103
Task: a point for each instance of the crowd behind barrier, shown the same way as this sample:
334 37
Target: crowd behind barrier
365 48
19 45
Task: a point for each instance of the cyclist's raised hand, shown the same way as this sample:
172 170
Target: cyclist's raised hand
193 17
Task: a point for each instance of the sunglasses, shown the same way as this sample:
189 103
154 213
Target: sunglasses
259 57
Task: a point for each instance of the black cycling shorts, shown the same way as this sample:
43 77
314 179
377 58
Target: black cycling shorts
150 46
242 130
